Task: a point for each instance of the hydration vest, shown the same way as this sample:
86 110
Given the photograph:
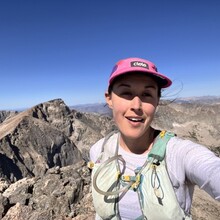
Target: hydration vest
151 182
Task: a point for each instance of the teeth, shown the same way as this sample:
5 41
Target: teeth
135 119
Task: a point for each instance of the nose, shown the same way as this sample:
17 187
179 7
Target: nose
136 103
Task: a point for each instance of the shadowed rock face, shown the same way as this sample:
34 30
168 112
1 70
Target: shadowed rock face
31 143
43 173
33 147
46 136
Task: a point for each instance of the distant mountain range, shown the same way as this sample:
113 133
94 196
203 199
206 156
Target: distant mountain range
200 99
99 108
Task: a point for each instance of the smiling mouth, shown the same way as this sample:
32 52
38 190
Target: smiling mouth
135 119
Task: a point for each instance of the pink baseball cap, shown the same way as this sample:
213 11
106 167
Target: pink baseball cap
139 65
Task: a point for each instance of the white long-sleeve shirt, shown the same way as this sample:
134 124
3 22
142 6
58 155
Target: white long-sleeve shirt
188 164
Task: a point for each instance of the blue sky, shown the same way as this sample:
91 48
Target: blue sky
67 48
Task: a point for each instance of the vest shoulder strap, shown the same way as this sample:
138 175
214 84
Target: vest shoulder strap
159 147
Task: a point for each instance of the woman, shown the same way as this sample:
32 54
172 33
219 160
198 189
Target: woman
140 172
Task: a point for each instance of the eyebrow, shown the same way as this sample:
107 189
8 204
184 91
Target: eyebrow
127 85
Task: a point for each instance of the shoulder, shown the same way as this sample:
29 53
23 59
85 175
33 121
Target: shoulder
108 142
182 147
178 154
187 155
96 149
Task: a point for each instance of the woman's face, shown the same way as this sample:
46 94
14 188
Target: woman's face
133 100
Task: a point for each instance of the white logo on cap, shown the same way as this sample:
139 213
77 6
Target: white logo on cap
139 64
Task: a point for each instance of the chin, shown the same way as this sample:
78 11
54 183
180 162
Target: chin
132 135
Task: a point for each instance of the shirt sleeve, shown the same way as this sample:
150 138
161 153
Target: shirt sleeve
201 166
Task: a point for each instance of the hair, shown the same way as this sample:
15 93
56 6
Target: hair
110 88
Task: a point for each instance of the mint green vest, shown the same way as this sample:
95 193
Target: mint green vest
151 182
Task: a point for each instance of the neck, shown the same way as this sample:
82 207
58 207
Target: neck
140 145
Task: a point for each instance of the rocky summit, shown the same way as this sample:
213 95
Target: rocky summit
44 152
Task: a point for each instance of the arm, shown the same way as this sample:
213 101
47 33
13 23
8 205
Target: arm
195 163
203 168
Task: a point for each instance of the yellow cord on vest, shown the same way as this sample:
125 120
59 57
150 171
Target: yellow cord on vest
137 182
162 133
90 164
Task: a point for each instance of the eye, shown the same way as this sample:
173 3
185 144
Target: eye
147 94
126 93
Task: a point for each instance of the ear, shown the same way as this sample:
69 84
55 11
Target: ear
108 99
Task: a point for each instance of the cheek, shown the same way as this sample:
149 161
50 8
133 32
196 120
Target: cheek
119 107
149 109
